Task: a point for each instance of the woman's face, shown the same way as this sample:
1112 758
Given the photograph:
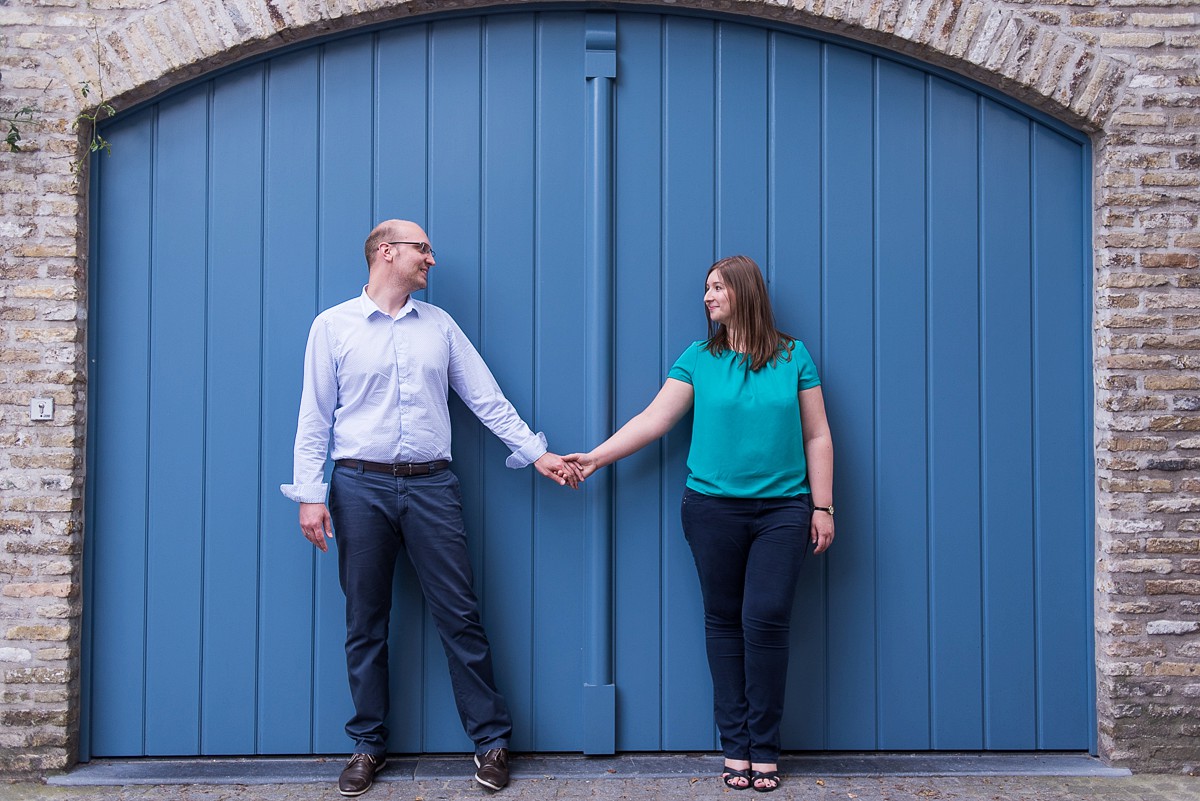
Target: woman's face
718 299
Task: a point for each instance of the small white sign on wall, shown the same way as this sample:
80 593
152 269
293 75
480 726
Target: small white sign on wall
41 409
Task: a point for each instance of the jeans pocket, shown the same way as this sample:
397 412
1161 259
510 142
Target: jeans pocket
695 508
686 507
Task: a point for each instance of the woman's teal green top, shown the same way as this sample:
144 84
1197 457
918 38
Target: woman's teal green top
746 435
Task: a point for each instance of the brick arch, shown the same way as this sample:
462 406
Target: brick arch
1038 64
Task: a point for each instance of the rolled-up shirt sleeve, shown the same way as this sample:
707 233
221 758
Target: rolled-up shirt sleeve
470 377
318 400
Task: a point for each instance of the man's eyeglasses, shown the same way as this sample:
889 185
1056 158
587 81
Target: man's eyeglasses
423 247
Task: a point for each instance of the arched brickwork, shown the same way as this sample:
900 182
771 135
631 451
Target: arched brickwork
1042 65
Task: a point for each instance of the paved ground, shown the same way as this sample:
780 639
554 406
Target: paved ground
957 788
681 777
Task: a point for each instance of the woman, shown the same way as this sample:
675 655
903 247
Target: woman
761 455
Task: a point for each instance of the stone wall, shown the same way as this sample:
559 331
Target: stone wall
1147 346
1126 71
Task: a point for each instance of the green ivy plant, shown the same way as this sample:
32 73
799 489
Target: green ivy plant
91 119
13 119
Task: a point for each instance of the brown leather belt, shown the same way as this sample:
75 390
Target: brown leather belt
415 469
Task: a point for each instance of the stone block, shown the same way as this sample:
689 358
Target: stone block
1172 626
35 675
1181 545
1154 444
1169 381
1173 669
1160 566
39 590
1175 423
1163 20
1115 526
1184 261
1173 587
57 633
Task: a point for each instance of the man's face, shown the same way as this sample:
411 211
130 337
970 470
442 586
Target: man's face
409 266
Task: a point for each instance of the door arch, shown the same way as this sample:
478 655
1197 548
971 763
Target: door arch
925 237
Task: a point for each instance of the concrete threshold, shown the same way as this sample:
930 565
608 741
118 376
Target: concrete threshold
323 769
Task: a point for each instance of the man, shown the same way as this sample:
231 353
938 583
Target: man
376 373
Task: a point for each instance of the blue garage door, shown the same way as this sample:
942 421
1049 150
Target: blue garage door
926 239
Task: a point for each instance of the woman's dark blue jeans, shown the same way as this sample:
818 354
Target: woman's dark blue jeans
748 553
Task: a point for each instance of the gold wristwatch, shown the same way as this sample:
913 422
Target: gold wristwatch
826 509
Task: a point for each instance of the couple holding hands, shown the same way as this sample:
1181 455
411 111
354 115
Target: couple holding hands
377 370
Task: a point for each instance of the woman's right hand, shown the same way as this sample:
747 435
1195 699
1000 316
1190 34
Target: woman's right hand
585 462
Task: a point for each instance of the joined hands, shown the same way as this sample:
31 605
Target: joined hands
559 470
584 463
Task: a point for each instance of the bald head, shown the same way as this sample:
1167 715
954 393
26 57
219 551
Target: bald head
391 231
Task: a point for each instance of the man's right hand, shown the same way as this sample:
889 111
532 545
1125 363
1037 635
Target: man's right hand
316 524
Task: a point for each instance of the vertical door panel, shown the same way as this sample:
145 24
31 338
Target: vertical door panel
901 469
121 308
953 354
344 215
644 507
402 124
454 206
1010 667
233 401
175 514
287 571
794 275
509 339
556 663
401 152
689 241
848 382
1060 402
740 119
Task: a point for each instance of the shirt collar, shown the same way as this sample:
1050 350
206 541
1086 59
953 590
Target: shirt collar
368 307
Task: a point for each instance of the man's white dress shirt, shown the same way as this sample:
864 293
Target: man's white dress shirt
375 389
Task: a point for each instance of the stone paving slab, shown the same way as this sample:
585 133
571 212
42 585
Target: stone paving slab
629 777
276 770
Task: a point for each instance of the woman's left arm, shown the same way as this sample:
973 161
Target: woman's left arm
818 452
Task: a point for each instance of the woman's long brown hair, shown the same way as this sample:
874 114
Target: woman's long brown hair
751 319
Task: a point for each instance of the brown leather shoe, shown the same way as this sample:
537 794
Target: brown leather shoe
493 768
359 774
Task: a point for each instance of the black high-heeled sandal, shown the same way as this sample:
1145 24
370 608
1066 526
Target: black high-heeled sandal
771 776
730 774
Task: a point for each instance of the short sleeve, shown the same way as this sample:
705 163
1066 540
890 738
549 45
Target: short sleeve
807 371
685 365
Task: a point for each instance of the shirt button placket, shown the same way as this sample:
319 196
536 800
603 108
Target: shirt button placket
400 349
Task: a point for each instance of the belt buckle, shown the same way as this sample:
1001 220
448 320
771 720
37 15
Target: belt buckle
396 470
